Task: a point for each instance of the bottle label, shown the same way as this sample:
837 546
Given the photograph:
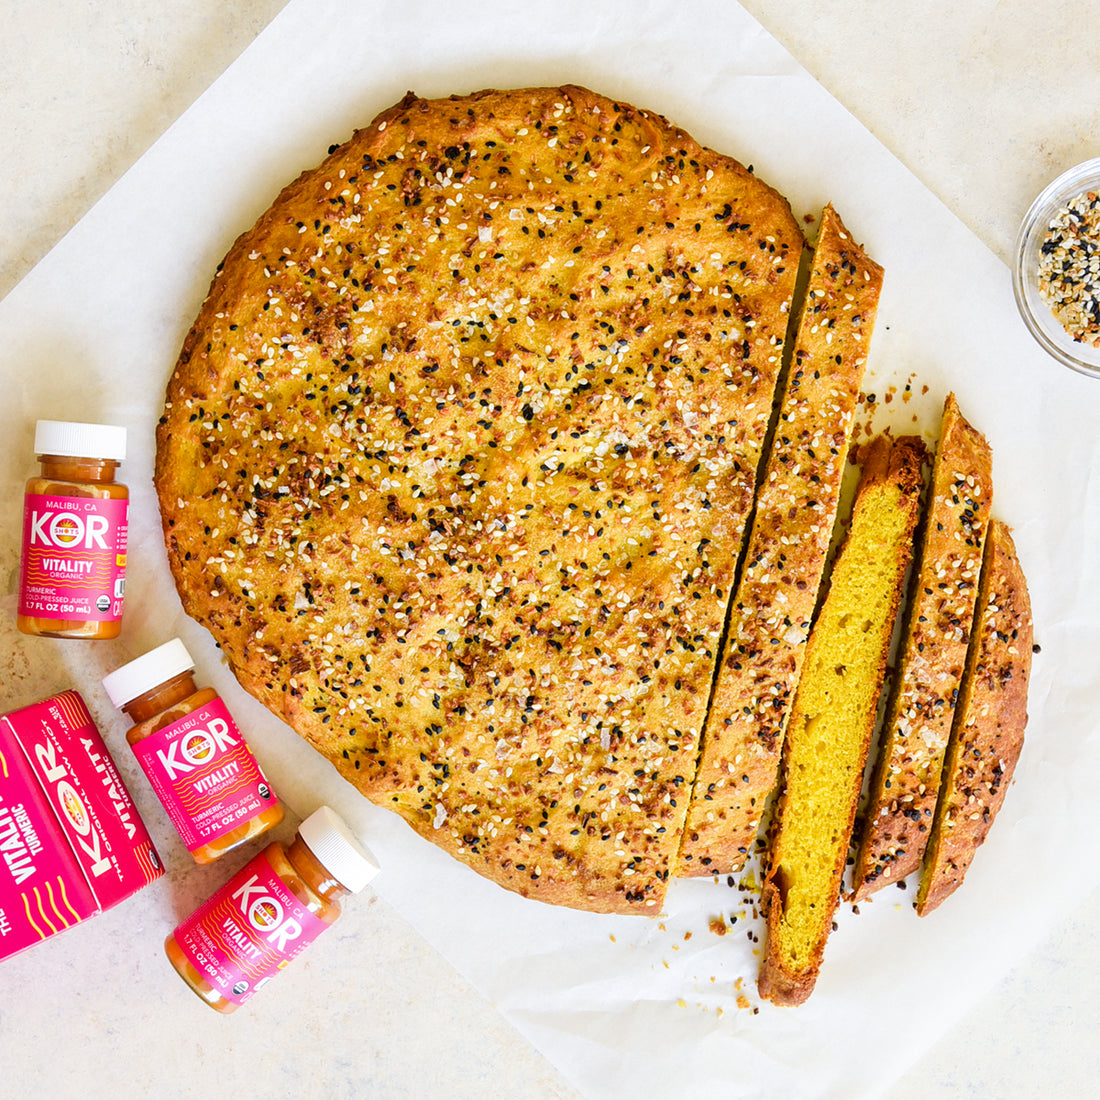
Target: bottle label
205 774
248 931
74 558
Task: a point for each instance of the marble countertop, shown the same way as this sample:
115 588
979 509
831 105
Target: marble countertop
983 102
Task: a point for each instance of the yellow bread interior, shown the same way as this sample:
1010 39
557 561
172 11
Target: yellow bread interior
832 717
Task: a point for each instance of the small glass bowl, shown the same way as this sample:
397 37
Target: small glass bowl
1037 315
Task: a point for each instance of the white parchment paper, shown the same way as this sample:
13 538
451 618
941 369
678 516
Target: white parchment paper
622 1006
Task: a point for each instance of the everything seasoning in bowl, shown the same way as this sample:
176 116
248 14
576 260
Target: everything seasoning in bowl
1057 273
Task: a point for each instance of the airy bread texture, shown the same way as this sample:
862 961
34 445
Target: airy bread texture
988 733
832 717
792 527
914 737
456 463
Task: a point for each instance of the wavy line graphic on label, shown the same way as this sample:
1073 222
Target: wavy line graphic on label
73 709
148 863
42 913
65 552
41 553
53 906
65 898
40 560
30 919
4 766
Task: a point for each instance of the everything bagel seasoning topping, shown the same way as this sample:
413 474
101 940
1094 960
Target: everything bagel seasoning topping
457 460
1069 268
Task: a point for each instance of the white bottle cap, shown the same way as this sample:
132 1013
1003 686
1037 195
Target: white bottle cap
338 849
147 672
71 440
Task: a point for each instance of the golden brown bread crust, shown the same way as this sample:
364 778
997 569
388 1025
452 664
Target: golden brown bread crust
988 734
832 719
456 461
906 780
795 510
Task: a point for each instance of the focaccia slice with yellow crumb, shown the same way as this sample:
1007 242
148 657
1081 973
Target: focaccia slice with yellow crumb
832 718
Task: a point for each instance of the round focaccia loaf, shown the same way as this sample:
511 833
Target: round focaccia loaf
456 461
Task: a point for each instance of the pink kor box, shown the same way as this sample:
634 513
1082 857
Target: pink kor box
71 841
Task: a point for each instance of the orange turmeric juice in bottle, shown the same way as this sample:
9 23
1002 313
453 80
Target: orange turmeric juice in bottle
260 920
73 567
194 755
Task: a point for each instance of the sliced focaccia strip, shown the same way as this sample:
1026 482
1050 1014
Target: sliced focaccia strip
832 718
933 656
988 733
795 511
